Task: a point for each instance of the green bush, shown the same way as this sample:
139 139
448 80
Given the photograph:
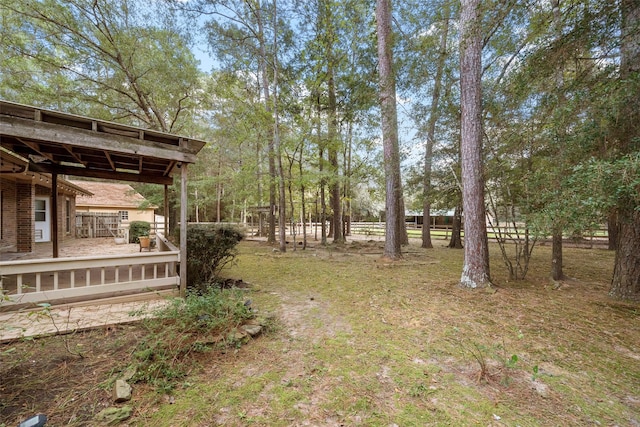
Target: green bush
137 229
209 249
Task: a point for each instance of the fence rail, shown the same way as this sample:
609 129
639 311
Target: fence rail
377 229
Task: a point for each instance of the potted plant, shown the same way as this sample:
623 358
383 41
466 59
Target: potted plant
145 242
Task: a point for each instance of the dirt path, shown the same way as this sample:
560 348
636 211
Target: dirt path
305 322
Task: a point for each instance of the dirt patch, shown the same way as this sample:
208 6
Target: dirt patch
65 377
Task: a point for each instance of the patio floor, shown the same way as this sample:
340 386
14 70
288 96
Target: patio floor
76 317
75 248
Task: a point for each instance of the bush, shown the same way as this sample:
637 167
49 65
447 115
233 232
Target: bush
137 229
209 249
179 331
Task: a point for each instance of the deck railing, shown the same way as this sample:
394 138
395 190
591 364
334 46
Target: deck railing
60 279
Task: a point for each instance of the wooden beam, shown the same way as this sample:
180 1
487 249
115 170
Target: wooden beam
110 160
183 231
76 137
166 211
74 155
167 171
36 147
103 174
54 213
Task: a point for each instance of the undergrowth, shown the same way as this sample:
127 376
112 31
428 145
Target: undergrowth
176 333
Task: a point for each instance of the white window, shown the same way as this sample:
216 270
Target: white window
124 215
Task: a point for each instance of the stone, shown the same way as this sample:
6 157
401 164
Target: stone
238 334
252 330
113 415
121 391
128 373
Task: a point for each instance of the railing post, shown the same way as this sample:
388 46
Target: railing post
183 230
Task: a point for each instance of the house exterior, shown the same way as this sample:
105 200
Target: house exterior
114 198
25 206
39 148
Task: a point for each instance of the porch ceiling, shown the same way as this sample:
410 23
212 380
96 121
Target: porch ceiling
55 142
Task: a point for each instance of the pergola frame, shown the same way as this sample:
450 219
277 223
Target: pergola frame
59 143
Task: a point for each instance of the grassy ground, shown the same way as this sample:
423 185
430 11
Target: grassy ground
367 343
357 341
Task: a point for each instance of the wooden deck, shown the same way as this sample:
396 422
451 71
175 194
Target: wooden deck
88 269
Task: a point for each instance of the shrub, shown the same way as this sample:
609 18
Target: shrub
209 249
184 328
137 229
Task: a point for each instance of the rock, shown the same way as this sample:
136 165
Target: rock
252 330
128 373
238 334
121 391
112 415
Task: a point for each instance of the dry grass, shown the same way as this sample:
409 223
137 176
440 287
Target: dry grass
365 342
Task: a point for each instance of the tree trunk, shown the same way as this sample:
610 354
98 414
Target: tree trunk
303 213
475 271
271 237
282 199
347 182
174 210
402 223
261 225
431 130
456 229
392 246
626 271
612 231
323 203
556 255
556 239
219 193
334 197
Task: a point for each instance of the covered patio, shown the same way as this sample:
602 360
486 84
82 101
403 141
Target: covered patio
59 144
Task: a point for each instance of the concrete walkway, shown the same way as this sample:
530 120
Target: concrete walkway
70 318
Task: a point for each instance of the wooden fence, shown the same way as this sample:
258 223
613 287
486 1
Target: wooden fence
97 224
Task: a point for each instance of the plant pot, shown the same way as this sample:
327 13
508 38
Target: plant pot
145 243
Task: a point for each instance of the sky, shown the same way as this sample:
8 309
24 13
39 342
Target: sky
206 61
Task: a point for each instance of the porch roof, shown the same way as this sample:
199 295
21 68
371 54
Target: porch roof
68 144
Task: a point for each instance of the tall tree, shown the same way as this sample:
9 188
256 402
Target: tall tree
626 272
240 35
108 59
393 236
475 270
556 239
431 130
282 201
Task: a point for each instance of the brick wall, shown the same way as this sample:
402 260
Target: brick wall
25 195
8 233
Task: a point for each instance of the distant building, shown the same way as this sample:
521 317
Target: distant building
110 197
439 218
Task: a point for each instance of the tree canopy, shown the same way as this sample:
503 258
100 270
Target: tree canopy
291 109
